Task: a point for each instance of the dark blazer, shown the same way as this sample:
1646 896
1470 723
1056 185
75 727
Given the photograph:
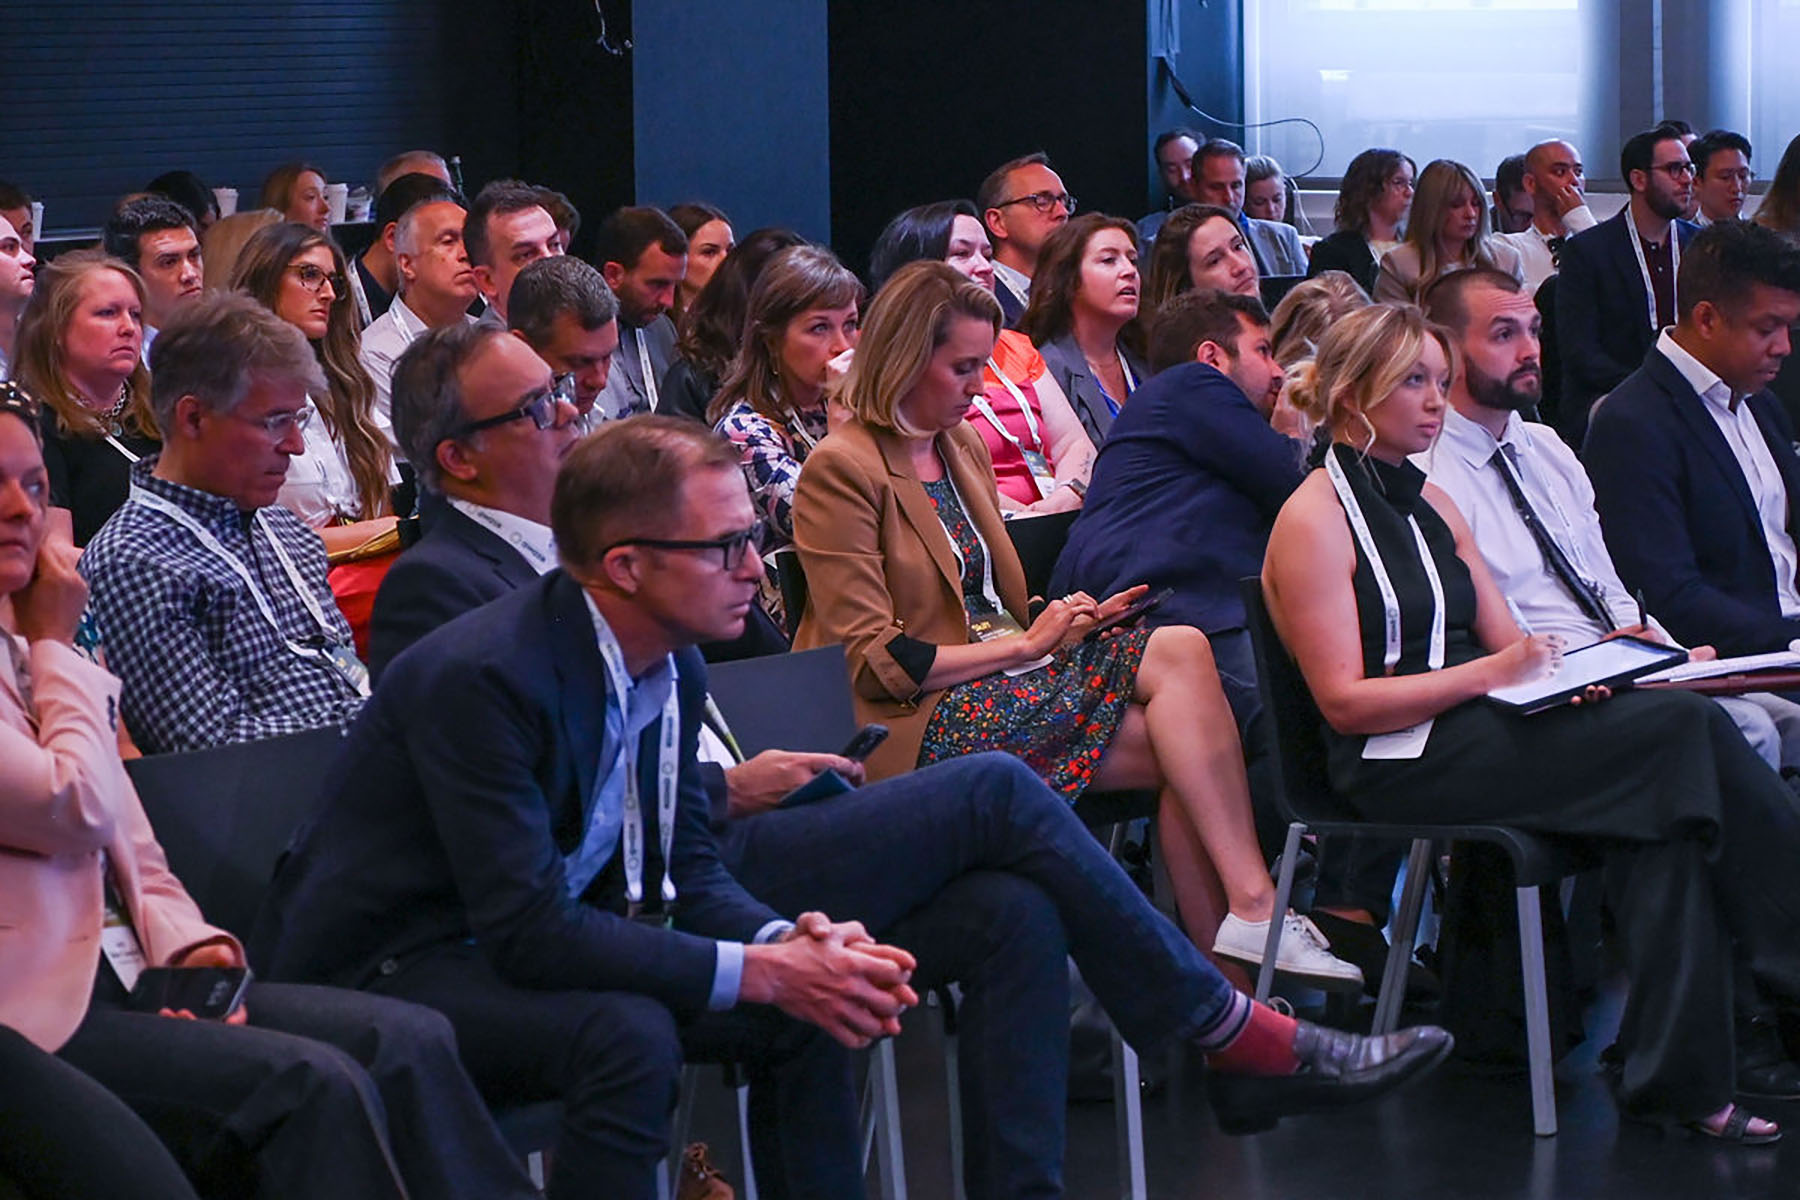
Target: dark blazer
1346 250
456 566
1677 513
1068 366
1602 314
1182 496
462 787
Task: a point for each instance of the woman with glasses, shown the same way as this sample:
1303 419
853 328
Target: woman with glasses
340 485
1040 449
1372 204
1199 246
81 342
1448 232
909 566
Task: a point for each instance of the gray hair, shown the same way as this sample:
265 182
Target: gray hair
217 347
406 229
427 396
551 286
408 161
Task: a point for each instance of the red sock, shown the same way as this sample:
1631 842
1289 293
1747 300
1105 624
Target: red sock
1263 1046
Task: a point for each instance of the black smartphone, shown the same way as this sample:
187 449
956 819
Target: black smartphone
210 993
1130 614
822 786
864 743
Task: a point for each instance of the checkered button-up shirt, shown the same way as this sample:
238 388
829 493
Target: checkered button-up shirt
200 664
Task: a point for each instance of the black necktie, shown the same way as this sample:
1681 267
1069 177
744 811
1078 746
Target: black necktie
1556 248
1586 597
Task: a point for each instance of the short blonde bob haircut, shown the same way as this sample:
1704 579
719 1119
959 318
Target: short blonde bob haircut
1361 361
906 324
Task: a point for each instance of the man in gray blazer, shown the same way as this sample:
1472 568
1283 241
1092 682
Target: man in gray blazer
1219 179
642 255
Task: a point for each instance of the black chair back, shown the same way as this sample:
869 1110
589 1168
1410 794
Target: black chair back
1038 542
798 701
790 577
224 816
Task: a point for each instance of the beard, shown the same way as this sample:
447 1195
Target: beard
1516 393
1665 205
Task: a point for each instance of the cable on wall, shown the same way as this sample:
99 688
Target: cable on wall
1182 94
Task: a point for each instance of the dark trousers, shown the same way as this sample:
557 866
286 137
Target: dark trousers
614 1059
989 879
63 1135
335 1093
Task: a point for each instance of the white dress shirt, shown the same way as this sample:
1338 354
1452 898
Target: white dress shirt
533 542
319 488
1745 437
1533 245
1017 282
383 342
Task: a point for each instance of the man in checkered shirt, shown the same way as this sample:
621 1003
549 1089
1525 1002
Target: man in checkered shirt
210 599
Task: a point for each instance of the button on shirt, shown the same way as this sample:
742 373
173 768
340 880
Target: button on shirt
1745 437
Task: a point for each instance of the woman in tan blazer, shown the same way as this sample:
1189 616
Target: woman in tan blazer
897 521
1448 232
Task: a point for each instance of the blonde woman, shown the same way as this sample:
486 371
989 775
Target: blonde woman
1447 231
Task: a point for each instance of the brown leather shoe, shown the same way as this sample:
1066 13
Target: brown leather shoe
699 1179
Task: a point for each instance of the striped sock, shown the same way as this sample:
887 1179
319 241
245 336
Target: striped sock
1250 1039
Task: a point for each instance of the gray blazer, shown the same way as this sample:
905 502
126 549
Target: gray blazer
1068 366
625 391
1278 248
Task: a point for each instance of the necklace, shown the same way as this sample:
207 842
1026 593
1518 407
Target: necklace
113 415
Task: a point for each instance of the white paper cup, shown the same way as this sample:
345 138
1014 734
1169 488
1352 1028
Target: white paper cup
37 219
227 200
337 195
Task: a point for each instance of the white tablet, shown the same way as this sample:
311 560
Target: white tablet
1609 663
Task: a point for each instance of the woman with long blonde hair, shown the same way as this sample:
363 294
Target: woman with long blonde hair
1447 231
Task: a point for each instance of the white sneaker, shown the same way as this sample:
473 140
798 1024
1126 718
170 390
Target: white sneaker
1303 950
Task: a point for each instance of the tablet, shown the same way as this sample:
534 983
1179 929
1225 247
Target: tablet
1610 663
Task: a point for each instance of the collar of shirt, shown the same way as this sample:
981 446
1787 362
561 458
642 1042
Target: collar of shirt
1475 444
217 513
647 690
409 321
1706 384
534 542
1016 280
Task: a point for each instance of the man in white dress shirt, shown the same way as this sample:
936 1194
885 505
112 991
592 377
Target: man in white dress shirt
1556 184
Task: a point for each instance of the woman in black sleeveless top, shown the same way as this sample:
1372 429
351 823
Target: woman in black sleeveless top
1701 837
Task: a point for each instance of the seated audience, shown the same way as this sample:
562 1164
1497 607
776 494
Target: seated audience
374 277
1041 887
1446 232
643 255
563 309
1693 460
1174 154
435 287
1297 326
296 190
896 513
339 484
15 206
1219 180
221 245
1555 182
1041 450
564 215
1780 206
190 191
1722 175
507 229
1700 834
1200 246
158 239
712 326
1512 211
1270 195
709 238
1021 202
210 596
86 313
18 276
1615 285
801 326
1372 204
295 1070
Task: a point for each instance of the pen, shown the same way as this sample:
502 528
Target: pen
1643 622
1518 617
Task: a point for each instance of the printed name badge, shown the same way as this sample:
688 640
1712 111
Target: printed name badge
1039 467
123 951
1401 744
343 660
990 627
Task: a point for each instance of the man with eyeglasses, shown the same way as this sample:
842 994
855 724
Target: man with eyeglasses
1615 288
1022 202
211 598
563 309
1219 179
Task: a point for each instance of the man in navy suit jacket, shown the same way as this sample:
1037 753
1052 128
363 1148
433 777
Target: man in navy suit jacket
1604 322
1693 461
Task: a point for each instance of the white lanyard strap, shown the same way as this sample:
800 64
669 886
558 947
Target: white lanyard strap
668 774
987 410
1569 544
1390 602
643 348
1637 250
365 315
1131 379
988 592
120 447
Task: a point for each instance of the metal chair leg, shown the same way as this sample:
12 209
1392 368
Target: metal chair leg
1406 927
1128 1109
953 1103
1537 1014
743 1115
1284 894
881 1123
682 1125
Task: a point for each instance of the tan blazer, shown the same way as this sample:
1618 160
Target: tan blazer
879 566
65 798
1397 279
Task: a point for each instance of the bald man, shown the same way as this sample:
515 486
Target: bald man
1555 183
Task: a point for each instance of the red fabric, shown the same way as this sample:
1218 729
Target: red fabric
1265 1047
354 585
1015 355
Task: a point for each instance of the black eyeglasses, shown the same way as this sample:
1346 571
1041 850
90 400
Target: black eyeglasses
540 407
1676 170
732 547
1043 202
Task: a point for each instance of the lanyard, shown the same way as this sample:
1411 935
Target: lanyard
364 314
643 345
120 447
1390 603
716 719
668 772
988 591
1131 379
539 552
1637 249
1569 543
1037 460
337 657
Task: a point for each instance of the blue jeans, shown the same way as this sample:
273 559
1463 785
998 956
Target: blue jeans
987 876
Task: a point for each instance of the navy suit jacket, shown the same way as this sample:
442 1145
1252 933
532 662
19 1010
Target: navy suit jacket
1602 314
1183 494
463 786
1677 513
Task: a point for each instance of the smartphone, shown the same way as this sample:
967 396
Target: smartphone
1130 614
864 743
210 993
822 786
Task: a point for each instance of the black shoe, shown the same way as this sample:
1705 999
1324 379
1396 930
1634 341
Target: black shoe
1336 1069
1764 1070
1364 945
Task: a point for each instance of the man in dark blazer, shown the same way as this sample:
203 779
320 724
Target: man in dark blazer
1693 461
1606 288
